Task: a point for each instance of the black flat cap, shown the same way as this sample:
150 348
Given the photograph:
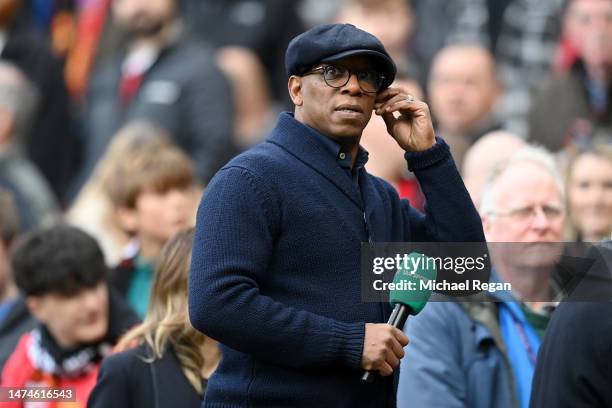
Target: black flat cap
331 42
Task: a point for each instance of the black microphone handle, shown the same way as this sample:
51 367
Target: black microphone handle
398 320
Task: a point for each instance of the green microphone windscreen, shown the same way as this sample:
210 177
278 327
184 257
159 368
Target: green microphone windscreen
413 282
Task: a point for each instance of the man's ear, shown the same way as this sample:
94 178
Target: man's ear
36 307
127 218
295 90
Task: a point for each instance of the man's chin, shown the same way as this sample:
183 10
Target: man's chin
541 254
146 29
348 131
92 335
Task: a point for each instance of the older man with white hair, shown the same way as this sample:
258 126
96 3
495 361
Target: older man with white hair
481 351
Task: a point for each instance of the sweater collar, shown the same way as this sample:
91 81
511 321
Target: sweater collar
316 151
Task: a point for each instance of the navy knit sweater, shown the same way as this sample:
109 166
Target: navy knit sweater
275 273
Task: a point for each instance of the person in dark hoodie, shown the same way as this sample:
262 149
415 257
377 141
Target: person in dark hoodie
573 368
62 275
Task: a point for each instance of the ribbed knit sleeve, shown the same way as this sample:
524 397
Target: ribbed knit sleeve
234 243
436 153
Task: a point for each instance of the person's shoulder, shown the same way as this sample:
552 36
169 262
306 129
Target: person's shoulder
555 86
190 55
445 307
196 48
582 316
262 160
132 361
444 314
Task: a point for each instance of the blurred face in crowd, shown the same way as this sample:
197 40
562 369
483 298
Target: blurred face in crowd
373 16
462 87
482 157
73 320
528 208
590 196
588 24
158 216
340 113
143 17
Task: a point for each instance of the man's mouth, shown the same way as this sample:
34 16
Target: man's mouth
349 109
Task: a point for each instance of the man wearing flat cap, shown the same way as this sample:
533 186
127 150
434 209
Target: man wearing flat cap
276 259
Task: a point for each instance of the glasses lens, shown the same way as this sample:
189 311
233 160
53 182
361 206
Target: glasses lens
335 76
370 81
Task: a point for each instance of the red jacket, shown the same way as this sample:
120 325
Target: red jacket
20 372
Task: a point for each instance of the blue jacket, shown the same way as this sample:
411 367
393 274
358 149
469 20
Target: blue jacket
457 357
275 273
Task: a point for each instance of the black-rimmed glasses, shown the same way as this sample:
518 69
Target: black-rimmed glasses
336 76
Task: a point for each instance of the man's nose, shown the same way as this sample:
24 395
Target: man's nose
540 220
352 85
91 299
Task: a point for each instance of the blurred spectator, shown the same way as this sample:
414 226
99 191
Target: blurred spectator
35 201
264 26
52 19
391 21
79 32
479 21
164 361
61 273
317 12
50 142
573 367
589 193
427 42
153 196
14 316
482 157
386 158
480 352
85 44
165 79
523 36
251 94
93 209
463 91
573 105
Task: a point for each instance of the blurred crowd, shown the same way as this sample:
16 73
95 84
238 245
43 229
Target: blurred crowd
115 114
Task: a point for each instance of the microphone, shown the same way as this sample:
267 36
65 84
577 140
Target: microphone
409 293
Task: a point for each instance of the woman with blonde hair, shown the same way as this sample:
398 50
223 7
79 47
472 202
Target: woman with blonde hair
163 362
589 192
